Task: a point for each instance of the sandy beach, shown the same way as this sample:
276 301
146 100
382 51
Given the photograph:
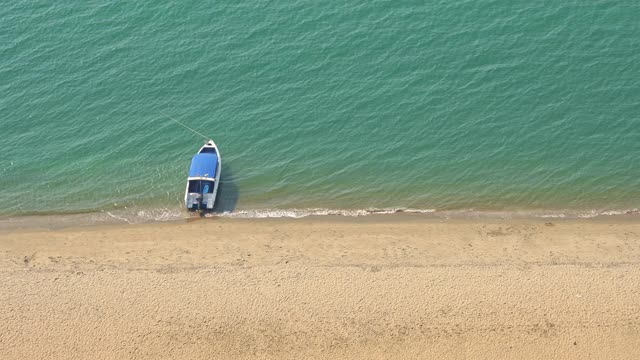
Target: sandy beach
377 287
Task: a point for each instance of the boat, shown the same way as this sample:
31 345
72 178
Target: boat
203 179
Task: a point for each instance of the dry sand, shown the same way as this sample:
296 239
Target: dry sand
380 287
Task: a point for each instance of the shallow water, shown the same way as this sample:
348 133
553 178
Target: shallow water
484 106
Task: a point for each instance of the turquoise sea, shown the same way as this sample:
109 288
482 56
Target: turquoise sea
492 105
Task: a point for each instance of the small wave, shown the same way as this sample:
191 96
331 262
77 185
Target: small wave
594 213
161 214
552 216
138 216
118 217
588 214
300 213
164 214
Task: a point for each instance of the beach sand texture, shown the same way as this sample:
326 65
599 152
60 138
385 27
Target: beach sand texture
379 287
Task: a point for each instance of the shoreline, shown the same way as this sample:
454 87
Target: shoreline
399 286
163 215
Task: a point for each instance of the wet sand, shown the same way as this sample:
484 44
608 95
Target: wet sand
378 287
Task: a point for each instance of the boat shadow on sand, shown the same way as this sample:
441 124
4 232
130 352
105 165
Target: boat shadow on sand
228 194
